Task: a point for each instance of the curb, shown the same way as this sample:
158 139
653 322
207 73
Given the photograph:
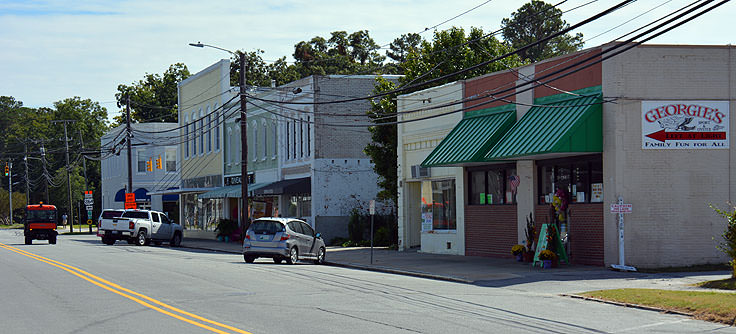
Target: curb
636 306
400 272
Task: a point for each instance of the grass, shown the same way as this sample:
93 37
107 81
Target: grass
723 284
7 227
694 268
704 305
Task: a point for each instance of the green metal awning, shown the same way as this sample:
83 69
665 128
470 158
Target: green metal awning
472 137
563 126
233 191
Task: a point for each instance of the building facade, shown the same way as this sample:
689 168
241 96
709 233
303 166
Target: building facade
650 127
150 142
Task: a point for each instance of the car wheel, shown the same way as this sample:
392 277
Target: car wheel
52 240
249 258
29 240
141 239
108 241
293 256
176 240
320 256
277 260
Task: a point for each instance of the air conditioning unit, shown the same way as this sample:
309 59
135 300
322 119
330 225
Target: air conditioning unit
418 172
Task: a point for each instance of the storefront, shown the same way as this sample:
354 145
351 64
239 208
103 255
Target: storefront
567 149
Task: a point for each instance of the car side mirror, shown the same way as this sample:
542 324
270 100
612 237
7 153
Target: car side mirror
318 235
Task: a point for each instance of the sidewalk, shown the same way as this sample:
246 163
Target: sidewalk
484 271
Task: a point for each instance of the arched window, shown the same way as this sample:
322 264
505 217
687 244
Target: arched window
209 130
274 142
217 128
230 146
186 136
201 132
194 134
254 149
264 124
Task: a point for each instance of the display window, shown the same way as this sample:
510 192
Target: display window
439 205
580 179
492 185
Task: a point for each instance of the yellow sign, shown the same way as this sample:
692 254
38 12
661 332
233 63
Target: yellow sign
89 221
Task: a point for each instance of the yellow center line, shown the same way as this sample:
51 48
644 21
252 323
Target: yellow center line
107 285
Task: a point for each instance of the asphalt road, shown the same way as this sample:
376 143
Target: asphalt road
83 286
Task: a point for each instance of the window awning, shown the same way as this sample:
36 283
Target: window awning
564 126
233 191
293 186
472 137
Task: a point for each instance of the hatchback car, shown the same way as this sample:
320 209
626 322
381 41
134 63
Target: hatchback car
283 239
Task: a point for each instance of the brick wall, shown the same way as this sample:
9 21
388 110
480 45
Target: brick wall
586 231
490 84
490 230
591 76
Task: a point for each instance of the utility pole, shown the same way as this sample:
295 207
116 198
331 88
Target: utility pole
68 178
45 176
244 144
10 190
25 161
127 140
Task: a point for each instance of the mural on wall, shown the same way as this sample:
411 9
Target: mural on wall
684 124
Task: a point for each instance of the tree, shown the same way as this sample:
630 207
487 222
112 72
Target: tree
449 51
534 21
259 73
154 98
342 53
19 201
400 49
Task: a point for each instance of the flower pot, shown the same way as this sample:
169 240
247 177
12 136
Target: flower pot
227 238
519 257
546 264
528 257
219 238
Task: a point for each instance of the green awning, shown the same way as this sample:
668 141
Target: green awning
472 137
563 126
232 191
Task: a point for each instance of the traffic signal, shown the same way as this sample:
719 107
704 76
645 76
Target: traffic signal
7 169
158 163
149 165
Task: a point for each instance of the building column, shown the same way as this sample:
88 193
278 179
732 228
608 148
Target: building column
525 195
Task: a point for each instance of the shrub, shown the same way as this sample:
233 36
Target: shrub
728 245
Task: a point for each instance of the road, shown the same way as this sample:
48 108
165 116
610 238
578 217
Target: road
82 286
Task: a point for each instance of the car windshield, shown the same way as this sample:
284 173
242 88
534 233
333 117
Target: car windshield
136 214
41 215
111 214
266 227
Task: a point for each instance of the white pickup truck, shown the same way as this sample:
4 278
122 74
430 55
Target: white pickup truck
140 227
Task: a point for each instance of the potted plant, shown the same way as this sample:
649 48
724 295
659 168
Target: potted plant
225 228
518 251
547 256
531 233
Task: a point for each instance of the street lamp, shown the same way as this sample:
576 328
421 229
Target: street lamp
243 133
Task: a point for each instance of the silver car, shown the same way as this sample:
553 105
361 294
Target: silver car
283 239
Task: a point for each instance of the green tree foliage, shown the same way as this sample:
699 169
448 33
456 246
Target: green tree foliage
448 52
153 98
534 21
342 53
728 245
61 194
34 127
259 73
19 201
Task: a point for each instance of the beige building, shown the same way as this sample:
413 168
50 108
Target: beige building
651 126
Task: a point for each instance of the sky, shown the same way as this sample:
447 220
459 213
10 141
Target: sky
52 50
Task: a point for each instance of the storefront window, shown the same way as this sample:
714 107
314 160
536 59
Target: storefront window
493 186
443 205
578 177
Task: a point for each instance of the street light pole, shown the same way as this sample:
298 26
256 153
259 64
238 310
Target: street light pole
244 212
244 144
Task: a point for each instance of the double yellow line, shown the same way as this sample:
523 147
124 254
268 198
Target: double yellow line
132 295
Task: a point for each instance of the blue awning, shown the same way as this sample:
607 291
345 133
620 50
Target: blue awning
142 193
120 196
170 197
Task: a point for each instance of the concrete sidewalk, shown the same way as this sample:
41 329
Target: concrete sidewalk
490 272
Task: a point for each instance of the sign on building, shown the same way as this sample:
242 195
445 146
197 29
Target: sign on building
684 124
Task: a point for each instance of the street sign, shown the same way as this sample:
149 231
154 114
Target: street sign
621 208
88 199
89 221
372 207
130 201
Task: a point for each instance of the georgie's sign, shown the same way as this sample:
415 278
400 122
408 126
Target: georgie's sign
684 124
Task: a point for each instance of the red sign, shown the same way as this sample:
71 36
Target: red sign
130 201
664 135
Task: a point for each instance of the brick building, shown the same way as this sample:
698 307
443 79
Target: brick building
651 126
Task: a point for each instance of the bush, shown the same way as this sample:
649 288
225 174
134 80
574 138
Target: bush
385 229
728 245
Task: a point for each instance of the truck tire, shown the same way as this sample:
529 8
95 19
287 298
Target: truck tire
176 240
29 240
52 240
108 241
141 239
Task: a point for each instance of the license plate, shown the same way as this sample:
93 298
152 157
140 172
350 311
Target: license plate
262 237
114 232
